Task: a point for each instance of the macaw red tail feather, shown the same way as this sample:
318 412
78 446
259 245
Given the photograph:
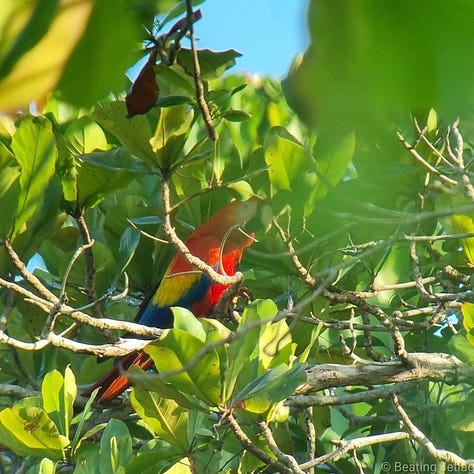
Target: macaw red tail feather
114 382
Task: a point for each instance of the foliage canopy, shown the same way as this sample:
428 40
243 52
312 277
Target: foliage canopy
357 350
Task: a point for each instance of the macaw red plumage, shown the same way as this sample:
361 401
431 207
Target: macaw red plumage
220 243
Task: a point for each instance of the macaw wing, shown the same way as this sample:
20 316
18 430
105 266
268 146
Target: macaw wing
178 289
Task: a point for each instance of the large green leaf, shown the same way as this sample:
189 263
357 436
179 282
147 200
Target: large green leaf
39 21
467 310
59 393
134 133
176 349
102 55
166 418
35 150
462 348
85 136
465 225
28 430
345 83
102 172
34 52
272 386
9 189
275 345
115 448
170 134
212 63
332 160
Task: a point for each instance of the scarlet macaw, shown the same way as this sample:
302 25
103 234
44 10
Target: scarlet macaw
220 243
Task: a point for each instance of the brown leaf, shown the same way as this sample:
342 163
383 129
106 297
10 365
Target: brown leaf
145 91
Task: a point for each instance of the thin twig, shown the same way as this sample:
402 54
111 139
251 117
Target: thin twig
206 115
284 458
90 283
418 435
250 446
421 160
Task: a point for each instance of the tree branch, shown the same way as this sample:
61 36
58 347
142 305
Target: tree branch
418 366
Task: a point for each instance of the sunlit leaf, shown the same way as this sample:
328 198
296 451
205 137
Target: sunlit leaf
186 321
59 393
275 345
467 310
85 136
212 63
272 386
134 133
115 447
35 150
462 347
176 349
464 225
38 59
164 416
100 173
170 134
103 61
28 430
332 160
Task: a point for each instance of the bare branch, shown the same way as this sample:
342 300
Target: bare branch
284 458
206 115
251 447
418 366
421 160
353 444
418 435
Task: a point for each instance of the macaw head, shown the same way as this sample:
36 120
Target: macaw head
245 220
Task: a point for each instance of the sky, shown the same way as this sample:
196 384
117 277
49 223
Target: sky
269 33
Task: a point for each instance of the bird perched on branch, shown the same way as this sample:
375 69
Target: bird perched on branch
220 243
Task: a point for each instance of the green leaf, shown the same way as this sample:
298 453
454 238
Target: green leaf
185 320
332 160
46 466
85 136
233 115
115 447
58 394
152 383
164 416
285 157
9 189
134 133
213 63
176 349
170 134
128 244
464 225
467 310
39 56
462 348
103 172
35 150
255 318
103 61
466 425
275 345
28 430
273 386
42 15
